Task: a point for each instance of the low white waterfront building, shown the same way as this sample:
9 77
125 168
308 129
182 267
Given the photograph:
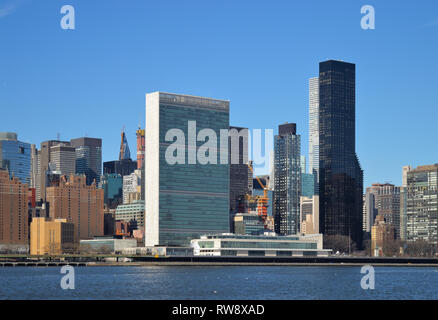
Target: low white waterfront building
269 245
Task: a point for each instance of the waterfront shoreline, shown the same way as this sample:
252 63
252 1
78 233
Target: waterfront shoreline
137 260
240 264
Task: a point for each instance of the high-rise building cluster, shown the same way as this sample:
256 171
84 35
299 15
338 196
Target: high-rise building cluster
193 178
58 193
402 216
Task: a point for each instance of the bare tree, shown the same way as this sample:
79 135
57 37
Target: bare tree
85 249
391 247
71 248
340 243
420 248
103 249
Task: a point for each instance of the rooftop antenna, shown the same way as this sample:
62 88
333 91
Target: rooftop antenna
122 145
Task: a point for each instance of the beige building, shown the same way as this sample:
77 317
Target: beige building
381 234
132 187
309 212
131 197
51 236
14 229
78 203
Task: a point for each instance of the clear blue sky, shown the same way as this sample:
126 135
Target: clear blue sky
258 54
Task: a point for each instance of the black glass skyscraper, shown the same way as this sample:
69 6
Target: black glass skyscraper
341 178
238 159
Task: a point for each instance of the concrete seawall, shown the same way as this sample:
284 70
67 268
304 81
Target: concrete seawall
220 261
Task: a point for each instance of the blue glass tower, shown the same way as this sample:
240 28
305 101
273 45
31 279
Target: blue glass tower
15 156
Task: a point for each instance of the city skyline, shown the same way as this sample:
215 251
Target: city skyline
218 150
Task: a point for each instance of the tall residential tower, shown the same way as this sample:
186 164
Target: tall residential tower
287 148
422 204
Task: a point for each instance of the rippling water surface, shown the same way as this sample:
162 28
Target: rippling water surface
252 282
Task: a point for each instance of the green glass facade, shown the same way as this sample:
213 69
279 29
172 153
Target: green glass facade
193 198
307 185
112 185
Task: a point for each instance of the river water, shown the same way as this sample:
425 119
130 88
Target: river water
221 282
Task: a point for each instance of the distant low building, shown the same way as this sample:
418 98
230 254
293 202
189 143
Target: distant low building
132 212
107 245
160 251
248 223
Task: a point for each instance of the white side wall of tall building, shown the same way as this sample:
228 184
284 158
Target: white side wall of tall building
313 124
152 171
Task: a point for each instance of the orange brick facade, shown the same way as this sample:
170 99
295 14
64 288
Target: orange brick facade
78 203
14 228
